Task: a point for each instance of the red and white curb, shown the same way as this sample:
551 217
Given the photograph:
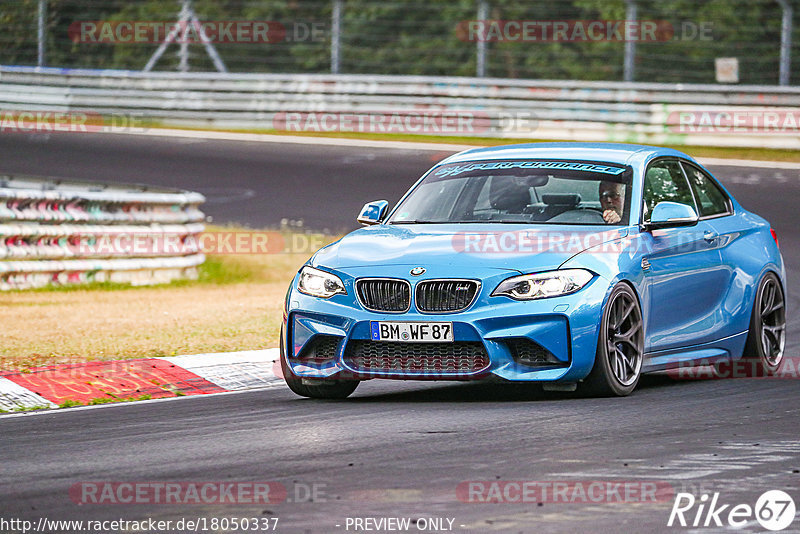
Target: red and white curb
233 371
146 378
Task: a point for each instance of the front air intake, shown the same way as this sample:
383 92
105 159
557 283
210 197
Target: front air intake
532 354
416 359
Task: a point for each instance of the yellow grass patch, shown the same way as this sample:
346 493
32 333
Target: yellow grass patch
236 305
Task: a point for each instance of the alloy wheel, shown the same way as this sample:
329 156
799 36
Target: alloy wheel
624 339
772 322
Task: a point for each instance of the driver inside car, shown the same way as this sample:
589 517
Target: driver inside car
612 201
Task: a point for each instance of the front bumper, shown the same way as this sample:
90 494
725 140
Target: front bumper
565 327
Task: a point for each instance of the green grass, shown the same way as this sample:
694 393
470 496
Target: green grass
217 270
103 400
766 154
91 286
26 409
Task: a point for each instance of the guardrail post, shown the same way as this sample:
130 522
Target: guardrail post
786 42
483 14
41 33
630 46
336 35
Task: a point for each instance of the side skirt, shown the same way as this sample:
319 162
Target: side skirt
728 348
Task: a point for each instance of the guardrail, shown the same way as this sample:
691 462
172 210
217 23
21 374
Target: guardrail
720 115
60 232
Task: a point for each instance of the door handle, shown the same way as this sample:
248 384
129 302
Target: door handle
710 236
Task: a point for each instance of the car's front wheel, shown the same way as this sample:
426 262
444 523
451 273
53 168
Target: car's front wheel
318 389
620 346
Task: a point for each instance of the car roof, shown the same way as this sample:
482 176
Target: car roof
620 153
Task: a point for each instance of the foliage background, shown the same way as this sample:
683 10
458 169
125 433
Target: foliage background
421 37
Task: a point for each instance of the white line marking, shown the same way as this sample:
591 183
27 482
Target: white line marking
120 404
224 358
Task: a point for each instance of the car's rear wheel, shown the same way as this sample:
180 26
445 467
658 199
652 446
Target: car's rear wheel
620 346
317 389
766 338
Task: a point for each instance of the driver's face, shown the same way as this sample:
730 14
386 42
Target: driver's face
612 196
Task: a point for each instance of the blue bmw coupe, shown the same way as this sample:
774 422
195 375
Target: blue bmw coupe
572 265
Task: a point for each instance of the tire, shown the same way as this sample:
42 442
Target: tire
766 338
325 389
620 346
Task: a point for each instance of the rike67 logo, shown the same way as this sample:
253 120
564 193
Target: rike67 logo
774 510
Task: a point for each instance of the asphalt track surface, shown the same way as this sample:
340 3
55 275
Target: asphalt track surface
396 449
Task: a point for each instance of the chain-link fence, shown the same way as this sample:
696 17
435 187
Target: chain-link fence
744 41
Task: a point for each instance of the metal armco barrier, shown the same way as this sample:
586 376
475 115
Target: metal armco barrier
59 232
717 115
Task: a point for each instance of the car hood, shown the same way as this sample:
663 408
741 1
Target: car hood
480 247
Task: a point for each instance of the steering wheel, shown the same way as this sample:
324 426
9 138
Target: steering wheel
580 215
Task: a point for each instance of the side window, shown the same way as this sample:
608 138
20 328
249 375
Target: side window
664 181
711 199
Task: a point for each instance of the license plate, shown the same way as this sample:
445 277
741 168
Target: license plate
412 332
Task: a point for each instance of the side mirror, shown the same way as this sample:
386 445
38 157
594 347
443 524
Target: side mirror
373 212
671 215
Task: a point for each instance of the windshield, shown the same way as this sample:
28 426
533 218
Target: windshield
520 191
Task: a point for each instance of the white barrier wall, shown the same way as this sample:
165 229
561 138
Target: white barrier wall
59 232
717 115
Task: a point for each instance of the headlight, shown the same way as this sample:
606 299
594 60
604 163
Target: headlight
543 285
319 283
